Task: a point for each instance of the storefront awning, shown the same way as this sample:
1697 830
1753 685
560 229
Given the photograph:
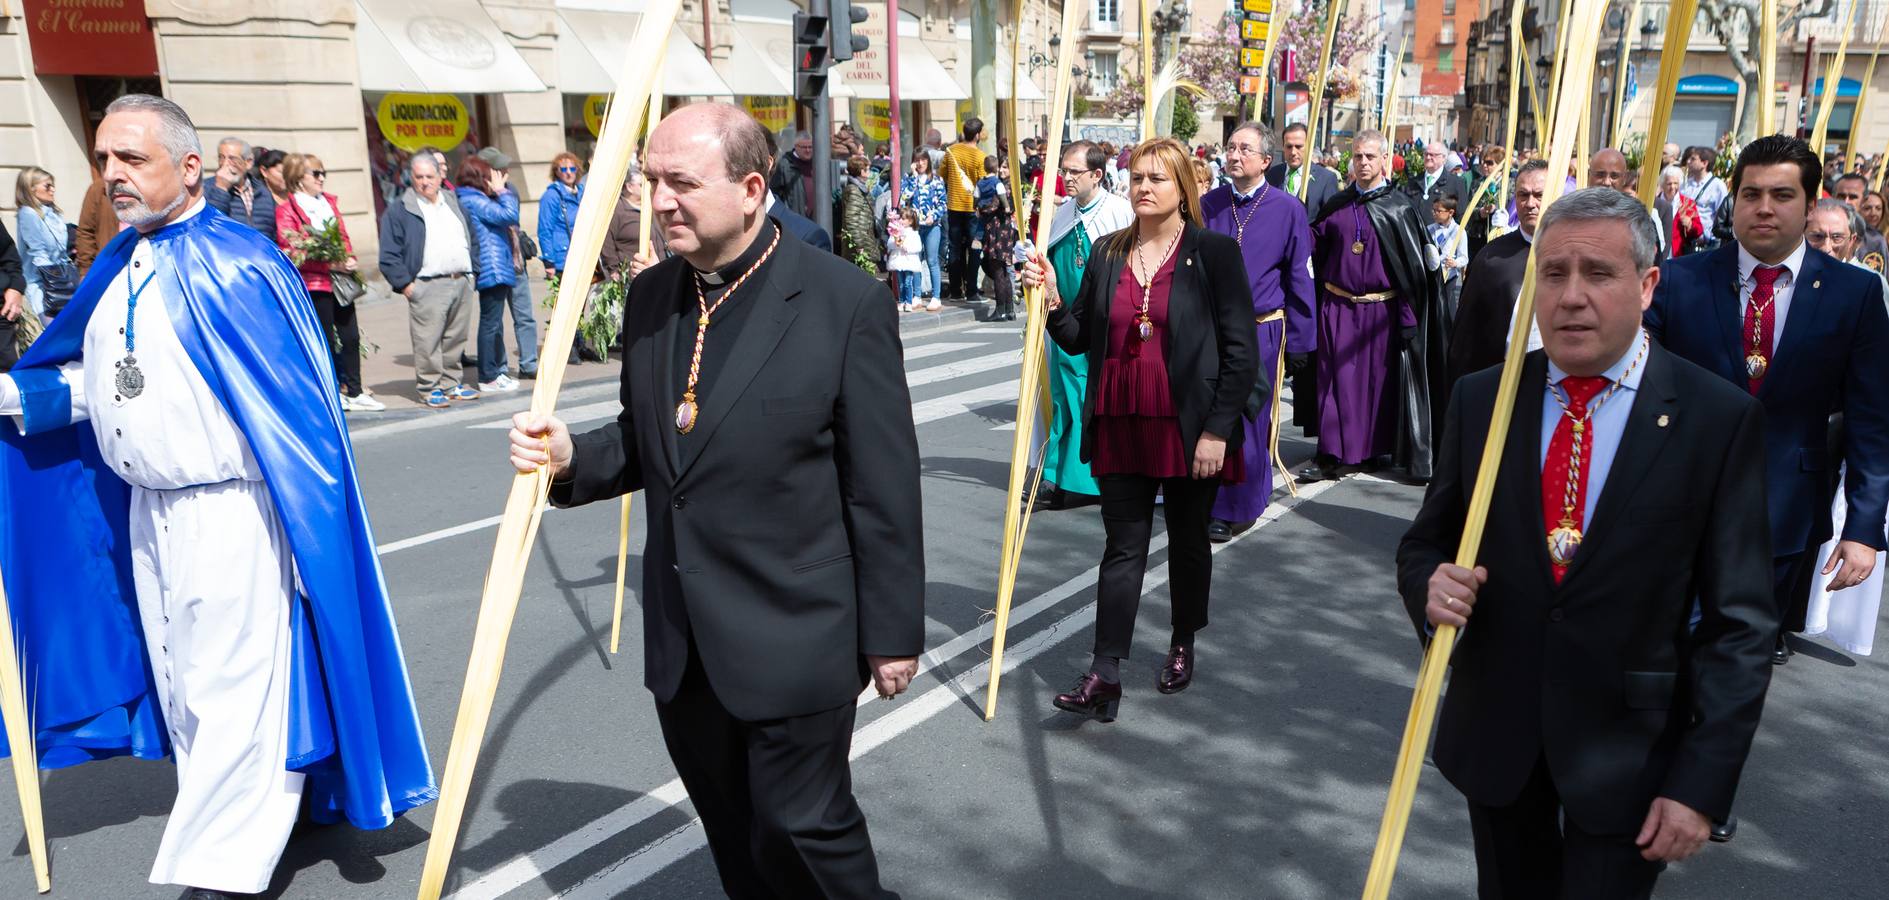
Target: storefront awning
437 47
921 75
592 45
964 71
761 64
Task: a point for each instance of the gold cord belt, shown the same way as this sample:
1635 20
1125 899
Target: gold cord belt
1279 377
1378 297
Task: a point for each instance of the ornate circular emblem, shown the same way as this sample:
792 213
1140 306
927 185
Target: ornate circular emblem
453 43
1873 260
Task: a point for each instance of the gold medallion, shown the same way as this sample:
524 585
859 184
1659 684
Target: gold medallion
685 414
1756 365
1562 542
1357 248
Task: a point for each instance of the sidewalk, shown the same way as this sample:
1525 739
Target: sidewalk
387 348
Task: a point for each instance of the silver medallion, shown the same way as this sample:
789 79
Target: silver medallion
130 381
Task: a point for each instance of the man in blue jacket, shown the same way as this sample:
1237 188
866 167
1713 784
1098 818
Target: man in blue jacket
1809 337
238 190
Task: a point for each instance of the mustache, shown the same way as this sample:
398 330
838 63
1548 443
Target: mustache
124 190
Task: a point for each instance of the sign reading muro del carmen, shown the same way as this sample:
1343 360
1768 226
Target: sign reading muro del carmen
91 37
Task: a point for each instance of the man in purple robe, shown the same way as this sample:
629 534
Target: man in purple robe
1276 245
1382 338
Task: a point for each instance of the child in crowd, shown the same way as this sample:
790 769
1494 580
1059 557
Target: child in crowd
1454 250
905 257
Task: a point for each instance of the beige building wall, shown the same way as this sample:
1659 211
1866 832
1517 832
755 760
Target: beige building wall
529 127
39 123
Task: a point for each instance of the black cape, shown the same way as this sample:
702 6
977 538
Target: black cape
1422 380
1480 337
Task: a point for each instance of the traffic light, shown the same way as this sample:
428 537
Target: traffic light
810 57
845 43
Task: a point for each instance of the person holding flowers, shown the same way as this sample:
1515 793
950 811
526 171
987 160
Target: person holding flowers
310 230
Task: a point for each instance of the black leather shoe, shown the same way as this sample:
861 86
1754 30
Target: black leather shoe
1219 531
1782 653
1240 528
1724 831
207 894
1047 497
1092 697
1178 672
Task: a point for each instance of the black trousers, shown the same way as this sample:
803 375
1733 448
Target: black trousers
775 797
964 260
1002 295
1128 519
1527 851
343 329
10 340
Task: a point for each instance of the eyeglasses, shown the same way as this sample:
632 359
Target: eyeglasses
567 168
1071 173
320 173
1243 150
1819 237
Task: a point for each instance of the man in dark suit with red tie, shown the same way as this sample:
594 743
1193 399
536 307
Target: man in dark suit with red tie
1594 732
1806 335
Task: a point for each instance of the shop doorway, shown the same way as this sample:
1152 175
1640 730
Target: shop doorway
97 92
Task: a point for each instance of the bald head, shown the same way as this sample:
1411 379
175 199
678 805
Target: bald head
1608 169
707 167
725 131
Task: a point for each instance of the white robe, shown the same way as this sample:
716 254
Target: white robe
214 580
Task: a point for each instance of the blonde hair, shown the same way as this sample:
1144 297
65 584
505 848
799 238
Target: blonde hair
296 166
30 179
1179 165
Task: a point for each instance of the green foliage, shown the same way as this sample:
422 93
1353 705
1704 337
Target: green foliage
1186 121
602 317
324 244
1082 107
1727 148
1634 150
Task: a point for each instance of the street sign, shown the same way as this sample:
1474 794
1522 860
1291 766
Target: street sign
1250 84
1254 31
1258 6
1252 57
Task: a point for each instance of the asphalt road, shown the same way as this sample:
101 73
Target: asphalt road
1265 780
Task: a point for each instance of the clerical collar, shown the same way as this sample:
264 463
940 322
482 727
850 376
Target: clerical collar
745 261
1239 197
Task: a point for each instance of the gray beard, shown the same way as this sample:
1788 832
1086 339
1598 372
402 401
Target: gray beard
143 216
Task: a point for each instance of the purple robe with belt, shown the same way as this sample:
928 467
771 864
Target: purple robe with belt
1357 341
1276 246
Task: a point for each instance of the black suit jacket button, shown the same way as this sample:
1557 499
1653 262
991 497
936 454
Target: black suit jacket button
1556 615
679 502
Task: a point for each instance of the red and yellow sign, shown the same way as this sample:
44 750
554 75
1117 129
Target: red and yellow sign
594 107
412 121
774 113
873 118
91 37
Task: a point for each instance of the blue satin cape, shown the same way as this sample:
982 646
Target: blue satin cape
243 316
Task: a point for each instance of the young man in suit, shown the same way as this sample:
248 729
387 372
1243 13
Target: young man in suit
765 415
1809 338
1594 733
1287 172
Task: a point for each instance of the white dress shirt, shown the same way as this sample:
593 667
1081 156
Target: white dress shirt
1534 325
1607 423
1781 290
445 252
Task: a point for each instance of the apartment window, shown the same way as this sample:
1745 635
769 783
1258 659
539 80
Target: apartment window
1107 15
1446 59
1446 34
1449 7
1103 76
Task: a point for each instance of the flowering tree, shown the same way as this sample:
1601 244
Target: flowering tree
1210 60
1305 33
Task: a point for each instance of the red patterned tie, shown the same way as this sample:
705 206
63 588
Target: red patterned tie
1564 492
1760 325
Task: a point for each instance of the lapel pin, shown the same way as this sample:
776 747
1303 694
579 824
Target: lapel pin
1663 421
1190 260
1816 284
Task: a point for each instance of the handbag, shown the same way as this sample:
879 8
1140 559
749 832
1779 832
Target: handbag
57 283
348 288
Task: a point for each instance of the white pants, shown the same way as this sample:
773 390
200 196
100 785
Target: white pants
214 578
1848 616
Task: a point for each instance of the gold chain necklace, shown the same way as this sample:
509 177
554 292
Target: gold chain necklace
1239 225
1758 356
687 411
1144 326
1566 536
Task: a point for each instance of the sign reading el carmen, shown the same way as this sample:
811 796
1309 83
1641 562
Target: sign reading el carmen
91 37
412 121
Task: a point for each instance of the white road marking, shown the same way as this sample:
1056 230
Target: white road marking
923 351
994 331
926 411
678 844
989 362
617 879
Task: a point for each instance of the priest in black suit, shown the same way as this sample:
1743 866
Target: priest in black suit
1595 733
1493 283
766 419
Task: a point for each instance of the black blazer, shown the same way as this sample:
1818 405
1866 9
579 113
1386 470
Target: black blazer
800 226
789 542
1480 337
1832 356
1599 673
1212 345
1447 183
1323 187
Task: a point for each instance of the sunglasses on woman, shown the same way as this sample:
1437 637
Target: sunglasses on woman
320 173
567 168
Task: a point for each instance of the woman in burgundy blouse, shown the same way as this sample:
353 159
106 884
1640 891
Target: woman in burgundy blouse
1165 319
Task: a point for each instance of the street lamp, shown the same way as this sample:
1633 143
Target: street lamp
1038 61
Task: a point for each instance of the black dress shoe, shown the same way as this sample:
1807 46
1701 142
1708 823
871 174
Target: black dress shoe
1724 831
207 894
1782 653
1219 531
1178 672
1092 697
1240 528
1047 498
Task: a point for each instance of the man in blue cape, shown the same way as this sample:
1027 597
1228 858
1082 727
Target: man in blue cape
191 571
